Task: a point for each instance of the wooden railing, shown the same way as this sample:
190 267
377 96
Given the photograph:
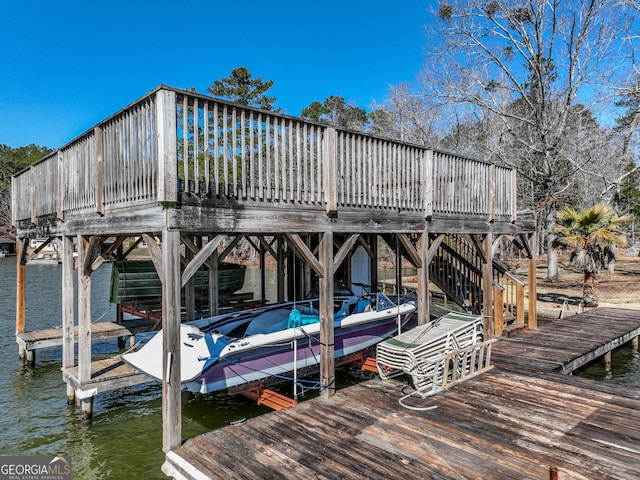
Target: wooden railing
457 270
173 144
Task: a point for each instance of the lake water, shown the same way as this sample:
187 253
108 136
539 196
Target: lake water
124 440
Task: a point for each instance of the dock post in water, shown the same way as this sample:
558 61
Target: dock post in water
21 285
171 387
68 341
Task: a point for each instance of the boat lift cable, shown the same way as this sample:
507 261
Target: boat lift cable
310 384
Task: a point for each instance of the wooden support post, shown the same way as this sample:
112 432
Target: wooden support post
263 277
167 147
21 289
424 312
84 313
171 388
280 270
327 360
214 298
189 291
487 286
607 364
373 259
68 321
533 294
634 344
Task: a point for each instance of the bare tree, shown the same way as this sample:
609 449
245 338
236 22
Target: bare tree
407 116
535 70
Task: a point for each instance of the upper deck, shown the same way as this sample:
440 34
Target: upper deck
179 160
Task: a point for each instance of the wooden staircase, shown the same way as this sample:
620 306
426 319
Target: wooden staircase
456 269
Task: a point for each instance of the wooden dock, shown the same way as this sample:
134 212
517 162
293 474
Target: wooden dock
108 374
53 337
521 420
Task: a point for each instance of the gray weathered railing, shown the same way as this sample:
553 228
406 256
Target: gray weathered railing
172 144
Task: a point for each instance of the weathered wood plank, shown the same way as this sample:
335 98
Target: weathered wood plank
502 424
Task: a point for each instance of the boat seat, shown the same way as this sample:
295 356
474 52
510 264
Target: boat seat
362 306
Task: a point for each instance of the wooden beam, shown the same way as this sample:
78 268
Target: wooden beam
411 250
171 387
202 256
435 243
366 246
167 147
84 312
21 287
132 247
327 360
527 245
298 244
189 288
344 250
40 247
105 255
229 247
68 320
214 299
94 242
155 252
424 312
495 244
487 286
479 247
268 246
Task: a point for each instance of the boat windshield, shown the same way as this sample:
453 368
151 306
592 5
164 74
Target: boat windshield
340 289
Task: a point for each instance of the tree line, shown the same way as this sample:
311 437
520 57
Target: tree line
547 88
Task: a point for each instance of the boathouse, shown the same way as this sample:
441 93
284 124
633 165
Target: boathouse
185 171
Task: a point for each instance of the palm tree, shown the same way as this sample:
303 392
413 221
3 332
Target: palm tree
592 234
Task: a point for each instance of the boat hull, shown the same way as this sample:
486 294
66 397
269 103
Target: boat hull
277 363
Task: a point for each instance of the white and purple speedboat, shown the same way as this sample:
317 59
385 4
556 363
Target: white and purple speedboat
272 343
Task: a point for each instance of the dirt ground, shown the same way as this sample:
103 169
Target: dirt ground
618 290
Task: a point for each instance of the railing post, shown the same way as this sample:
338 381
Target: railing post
60 186
98 174
32 195
330 164
167 147
519 303
492 193
427 180
533 294
514 199
498 310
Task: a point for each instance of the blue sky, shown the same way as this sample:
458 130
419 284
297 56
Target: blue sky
65 66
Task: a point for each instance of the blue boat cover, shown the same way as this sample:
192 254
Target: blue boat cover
297 319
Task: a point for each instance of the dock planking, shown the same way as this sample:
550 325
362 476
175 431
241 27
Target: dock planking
53 337
519 420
